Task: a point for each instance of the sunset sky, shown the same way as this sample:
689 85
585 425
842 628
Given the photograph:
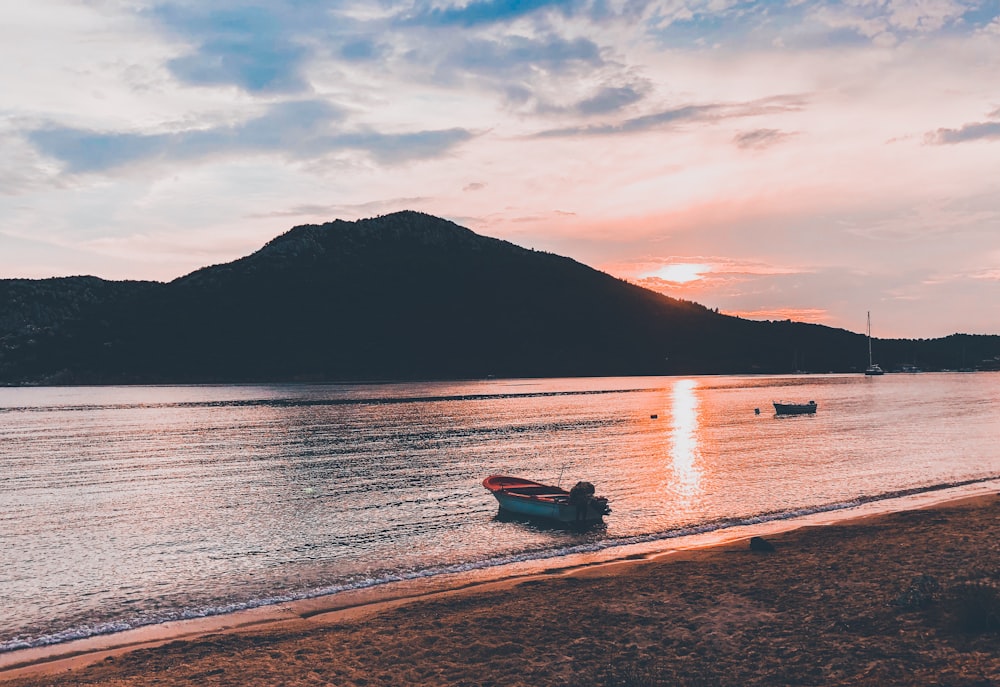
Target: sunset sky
808 159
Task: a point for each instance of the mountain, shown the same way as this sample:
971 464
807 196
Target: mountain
403 296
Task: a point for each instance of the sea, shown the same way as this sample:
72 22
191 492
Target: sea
130 506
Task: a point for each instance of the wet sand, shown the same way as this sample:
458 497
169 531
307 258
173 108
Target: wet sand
904 598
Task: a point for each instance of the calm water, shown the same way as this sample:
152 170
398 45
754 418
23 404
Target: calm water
123 506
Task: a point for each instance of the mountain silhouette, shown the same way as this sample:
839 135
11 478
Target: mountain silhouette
403 296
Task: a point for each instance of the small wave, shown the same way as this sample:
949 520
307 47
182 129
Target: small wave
121 625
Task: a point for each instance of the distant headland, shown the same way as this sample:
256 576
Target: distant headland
410 296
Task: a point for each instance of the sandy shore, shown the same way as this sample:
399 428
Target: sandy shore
906 598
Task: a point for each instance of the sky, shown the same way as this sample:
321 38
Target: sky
812 160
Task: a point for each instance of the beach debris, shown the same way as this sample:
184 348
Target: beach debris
920 593
760 544
975 606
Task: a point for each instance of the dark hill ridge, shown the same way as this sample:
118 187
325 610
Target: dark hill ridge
341 245
409 295
29 307
403 296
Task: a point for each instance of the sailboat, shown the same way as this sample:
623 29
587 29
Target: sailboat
873 369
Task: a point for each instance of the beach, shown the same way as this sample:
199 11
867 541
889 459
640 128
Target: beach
899 598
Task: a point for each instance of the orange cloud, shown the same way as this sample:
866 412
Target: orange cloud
670 273
680 272
811 315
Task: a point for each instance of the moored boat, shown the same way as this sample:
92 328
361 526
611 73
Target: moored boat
873 369
533 499
795 408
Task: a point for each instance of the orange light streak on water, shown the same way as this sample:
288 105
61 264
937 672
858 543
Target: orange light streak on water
685 452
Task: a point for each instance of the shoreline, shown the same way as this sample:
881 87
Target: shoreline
349 608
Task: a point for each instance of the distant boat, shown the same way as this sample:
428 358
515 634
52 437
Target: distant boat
525 497
873 369
795 408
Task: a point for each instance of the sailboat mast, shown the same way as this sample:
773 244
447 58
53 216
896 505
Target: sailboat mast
869 338
873 369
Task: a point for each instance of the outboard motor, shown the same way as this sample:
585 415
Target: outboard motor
582 496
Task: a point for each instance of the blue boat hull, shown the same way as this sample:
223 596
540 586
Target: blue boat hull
559 510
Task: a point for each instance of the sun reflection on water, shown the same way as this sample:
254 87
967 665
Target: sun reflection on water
685 453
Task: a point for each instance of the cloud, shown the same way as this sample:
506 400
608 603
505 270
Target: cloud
989 274
811 24
279 47
286 125
687 113
521 54
347 210
970 132
926 17
478 13
299 130
483 12
759 139
553 99
363 50
534 73
609 99
636 124
541 217
658 274
391 148
261 48
255 68
267 48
